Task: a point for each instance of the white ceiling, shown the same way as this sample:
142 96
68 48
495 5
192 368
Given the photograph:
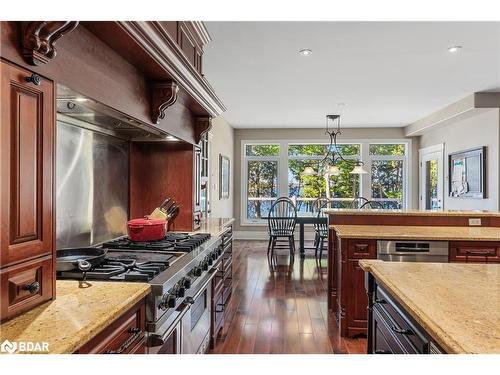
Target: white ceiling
388 73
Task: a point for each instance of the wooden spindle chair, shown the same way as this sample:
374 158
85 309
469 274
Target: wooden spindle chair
282 219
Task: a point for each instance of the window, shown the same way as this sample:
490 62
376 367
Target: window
274 169
262 185
387 174
306 189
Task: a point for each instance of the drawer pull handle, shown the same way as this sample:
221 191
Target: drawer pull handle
401 331
35 79
382 352
380 301
32 288
136 333
480 252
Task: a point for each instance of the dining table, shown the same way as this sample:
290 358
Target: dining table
303 219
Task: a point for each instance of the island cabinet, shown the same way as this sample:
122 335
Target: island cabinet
222 287
126 335
391 330
474 252
26 169
352 299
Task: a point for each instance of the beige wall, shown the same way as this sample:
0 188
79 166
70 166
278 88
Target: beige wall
221 138
314 135
480 130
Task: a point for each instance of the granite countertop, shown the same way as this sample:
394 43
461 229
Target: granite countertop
408 232
215 226
476 213
457 304
76 315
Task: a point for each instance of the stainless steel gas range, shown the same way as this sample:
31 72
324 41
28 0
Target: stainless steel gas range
180 270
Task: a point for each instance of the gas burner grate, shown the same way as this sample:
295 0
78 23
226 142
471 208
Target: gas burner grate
119 269
173 241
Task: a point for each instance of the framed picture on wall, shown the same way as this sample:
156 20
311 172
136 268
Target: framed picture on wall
467 173
224 169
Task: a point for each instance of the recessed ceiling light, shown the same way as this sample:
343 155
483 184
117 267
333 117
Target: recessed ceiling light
305 52
454 49
171 138
81 100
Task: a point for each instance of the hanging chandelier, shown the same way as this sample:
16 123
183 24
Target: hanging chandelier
328 165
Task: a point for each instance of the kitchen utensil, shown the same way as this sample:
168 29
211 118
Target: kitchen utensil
146 229
171 211
79 258
160 212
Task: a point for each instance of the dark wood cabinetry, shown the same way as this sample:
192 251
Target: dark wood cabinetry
475 252
27 160
391 330
190 37
346 292
222 287
352 300
126 335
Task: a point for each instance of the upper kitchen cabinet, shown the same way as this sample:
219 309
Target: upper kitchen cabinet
190 37
26 168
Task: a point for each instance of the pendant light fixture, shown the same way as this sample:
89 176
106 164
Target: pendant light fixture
358 168
333 155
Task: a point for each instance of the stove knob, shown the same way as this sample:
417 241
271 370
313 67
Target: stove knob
197 271
210 261
186 282
214 255
181 291
168 301
205 266
219 251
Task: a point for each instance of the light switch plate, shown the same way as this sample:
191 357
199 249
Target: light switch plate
475 222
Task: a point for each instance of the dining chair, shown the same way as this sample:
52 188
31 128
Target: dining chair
282 219
316 207
357 202
371 205
321 229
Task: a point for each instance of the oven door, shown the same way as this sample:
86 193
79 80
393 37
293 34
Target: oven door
170 341
196 322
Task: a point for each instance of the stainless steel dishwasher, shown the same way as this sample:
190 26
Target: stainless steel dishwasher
413 251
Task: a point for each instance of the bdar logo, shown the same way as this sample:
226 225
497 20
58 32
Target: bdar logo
8 347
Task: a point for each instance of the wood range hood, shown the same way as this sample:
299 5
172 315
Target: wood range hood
150 71
169 54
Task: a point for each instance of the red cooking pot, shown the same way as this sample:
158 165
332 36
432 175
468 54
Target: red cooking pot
146 229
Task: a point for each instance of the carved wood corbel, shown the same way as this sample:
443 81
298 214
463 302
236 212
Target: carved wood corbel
203 124
163 94
39 39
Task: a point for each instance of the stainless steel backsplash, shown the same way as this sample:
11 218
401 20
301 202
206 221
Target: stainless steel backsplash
92 186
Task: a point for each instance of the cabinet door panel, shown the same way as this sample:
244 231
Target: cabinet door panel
27 113
357 301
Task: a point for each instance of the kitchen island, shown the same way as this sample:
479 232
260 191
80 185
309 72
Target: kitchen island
466 236
82 312
433 307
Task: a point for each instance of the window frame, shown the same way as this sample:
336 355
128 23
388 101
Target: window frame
282 159
404 158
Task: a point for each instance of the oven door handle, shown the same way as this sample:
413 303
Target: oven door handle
211 273
156 339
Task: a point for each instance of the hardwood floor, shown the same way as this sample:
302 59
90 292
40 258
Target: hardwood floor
281 309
